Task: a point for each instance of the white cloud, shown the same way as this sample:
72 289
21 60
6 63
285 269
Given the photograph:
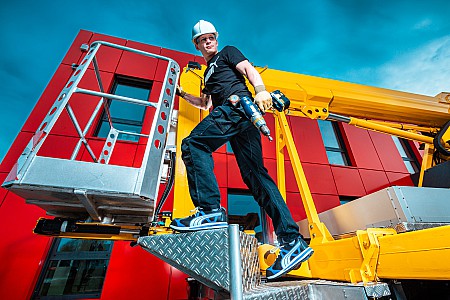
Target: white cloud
425 70
423 24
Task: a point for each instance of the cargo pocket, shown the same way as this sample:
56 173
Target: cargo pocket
224 118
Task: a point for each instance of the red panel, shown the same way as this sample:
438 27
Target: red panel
47 98
325 202
222 149
148 121
234 174
135 274
400 179
3 191
415 146
144 47
138 65
74 53
150 111
22 253
220 168
295 204
348 181
373 180
388 153
178 285
200 59
319 177
83 105
161 70
140 151
168 205
322 203
64 125
361 148
123 154
58 146
269 148
15 151
271 166
181 58
107 57
308 140
224 197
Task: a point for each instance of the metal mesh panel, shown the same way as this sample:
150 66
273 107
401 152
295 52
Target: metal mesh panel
251 272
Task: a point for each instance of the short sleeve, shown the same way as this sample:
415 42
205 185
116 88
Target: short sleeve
233 55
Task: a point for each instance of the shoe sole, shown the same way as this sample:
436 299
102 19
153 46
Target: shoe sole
199 228
302 257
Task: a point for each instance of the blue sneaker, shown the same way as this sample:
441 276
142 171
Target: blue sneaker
290 257
201 220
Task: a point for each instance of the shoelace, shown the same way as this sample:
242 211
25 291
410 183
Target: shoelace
196 210
274 249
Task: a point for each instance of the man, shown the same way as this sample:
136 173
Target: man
224 81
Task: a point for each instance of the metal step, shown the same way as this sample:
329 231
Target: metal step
205 256
209 257
317 290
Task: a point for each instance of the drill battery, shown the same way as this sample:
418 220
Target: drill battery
279 101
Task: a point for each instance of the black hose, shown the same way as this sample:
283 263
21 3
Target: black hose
169 185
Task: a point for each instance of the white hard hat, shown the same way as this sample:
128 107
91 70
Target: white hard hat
203 27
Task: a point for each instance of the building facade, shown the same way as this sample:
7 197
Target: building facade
341 163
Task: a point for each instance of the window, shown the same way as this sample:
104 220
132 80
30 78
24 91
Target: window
346 199
245 211
74 269
405 150
126 116
334 145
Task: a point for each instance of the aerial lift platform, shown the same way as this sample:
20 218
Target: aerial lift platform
104 201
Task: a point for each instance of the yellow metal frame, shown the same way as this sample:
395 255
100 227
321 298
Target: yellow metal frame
370 254
284 139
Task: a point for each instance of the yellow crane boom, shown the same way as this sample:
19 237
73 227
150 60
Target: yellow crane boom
308 93
376 252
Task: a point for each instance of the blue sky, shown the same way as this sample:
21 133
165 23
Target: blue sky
402 45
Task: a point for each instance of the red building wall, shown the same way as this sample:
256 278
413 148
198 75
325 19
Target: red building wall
133 272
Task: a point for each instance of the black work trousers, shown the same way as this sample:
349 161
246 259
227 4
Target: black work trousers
227 123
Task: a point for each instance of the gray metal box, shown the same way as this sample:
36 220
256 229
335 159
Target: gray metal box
387 208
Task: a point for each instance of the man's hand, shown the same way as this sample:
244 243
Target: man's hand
263 100
179 92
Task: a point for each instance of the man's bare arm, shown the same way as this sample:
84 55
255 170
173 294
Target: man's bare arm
245 68
202 102
262 98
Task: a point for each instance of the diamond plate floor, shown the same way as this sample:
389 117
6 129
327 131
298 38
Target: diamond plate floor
204 255
316 290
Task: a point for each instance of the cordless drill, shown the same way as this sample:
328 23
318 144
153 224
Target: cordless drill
279 101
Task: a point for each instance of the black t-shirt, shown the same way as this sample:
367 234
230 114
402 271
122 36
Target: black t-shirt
221 77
